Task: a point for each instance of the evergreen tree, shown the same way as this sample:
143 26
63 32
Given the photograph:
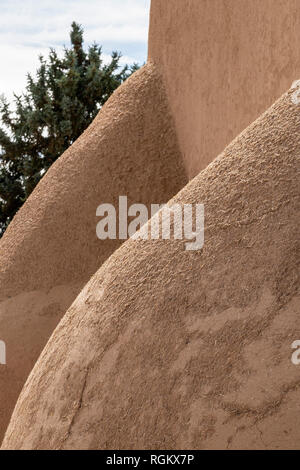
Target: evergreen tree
56 108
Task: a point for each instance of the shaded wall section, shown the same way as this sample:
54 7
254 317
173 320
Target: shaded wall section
50 249
224 62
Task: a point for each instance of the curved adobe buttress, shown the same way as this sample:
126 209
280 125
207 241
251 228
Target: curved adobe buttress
50 249
172 349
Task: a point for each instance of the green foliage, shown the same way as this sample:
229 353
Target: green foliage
56 108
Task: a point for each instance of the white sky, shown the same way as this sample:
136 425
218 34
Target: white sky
29 27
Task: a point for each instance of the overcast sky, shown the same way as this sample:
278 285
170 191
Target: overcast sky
29 27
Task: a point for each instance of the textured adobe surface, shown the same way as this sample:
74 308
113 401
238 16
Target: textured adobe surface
50 249
167 348
129 149
224 63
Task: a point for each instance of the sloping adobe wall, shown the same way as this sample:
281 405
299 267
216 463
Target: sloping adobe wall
173 349
130 149
224 62
50 249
